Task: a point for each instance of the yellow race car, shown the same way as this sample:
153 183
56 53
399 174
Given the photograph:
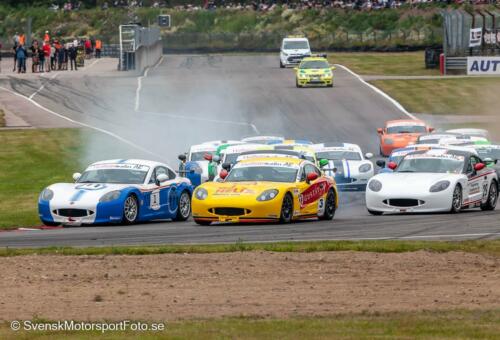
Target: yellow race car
267 189
314 71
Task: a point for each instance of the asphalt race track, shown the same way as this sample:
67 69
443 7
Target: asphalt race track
190 99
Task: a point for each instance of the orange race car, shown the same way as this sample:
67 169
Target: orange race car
399 133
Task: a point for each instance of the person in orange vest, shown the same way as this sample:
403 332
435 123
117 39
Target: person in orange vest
22 39
46 37
98 47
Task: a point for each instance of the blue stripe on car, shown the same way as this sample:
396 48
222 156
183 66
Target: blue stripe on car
77 195
348 169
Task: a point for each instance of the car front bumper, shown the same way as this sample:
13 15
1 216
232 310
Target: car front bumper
71 214
310 81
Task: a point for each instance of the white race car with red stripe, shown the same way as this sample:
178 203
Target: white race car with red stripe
432 181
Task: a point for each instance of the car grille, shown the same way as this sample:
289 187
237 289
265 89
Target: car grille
229 211
295 59
73 212
403 202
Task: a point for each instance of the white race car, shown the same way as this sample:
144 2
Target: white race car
346 163
264 140
198 154
229 155
435 180
117 191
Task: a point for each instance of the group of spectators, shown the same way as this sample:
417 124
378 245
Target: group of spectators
53 54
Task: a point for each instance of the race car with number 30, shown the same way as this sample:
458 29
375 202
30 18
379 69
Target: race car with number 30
117 191
266 190
436 180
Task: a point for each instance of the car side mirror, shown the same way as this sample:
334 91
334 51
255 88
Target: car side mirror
208 157
182 157
323 162
380 131
312 176
76 176
223 174
161 178
381 163
226 166
216 159
368 155
431 129
479 166
392 165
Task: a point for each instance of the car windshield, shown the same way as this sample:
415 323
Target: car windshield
431 164
262 173
333 155
113 176
199 156
296 45
406 129
488 153
231 158
314 64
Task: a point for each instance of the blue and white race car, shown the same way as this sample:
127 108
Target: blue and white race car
117 191
346 163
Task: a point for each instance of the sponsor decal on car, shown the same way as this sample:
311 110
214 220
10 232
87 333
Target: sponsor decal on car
314 192
234 190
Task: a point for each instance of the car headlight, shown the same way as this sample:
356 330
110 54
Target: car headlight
201 194
46 194
375 185
267 195
388 141
110 196
365 167
440 186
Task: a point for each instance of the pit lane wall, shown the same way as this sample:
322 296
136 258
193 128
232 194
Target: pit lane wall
147 56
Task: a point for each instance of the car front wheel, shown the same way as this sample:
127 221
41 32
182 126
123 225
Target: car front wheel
286 209
456 199
329 206
130 210
184 207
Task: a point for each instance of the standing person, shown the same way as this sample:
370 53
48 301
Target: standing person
88 48
46 52
41 59
21 59
46 37
14 49
35 61
60 56
98 47
72 57
52 57
22 39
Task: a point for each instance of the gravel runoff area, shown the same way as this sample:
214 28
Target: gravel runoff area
267 284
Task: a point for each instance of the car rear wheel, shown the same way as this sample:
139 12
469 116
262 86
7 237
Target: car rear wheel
329 206
184 207
375 212
130 210
491 203
456 199
286 209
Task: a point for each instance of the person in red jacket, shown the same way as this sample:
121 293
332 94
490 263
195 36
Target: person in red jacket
88 48
46 53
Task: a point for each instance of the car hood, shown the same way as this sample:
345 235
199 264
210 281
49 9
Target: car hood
298 51
401 181
83 192
239 189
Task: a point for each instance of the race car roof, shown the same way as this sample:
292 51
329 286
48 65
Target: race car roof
471 132
202 147
437 153
267 138
281 161
274 152
245 147
333 146
314 58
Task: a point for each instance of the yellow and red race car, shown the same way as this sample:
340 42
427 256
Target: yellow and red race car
314 71
266 190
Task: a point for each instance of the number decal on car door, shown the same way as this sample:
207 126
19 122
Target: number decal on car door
154 203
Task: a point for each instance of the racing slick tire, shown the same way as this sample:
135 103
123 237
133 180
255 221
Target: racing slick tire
491 202
130 210
456 200
329 206
375 212
286 209
297 84
281 65
201 222
50 224
184 207
329 85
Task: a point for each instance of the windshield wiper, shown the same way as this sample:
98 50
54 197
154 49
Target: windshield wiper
87 182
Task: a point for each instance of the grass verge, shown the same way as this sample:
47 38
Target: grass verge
491 247
457 324
394 64
466 96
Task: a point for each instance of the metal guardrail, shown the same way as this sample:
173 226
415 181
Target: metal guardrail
455 64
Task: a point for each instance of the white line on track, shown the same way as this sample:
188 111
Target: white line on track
138 103
43 85
109 133
380 92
